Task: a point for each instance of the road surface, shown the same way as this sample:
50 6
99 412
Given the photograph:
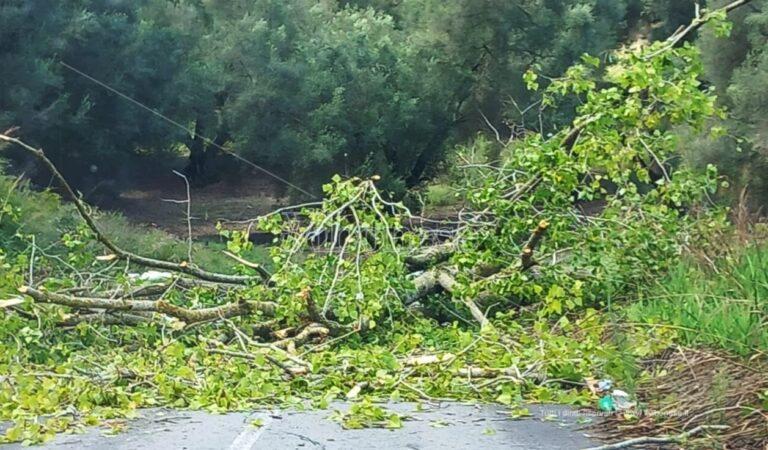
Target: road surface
443 427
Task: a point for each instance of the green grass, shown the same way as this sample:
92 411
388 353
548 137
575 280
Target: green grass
726 308
440 195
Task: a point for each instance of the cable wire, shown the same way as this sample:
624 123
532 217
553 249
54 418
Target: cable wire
185 128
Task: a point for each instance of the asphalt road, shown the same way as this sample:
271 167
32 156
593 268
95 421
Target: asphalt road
443 427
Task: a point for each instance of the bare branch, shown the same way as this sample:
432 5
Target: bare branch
490 125
188 202
189 316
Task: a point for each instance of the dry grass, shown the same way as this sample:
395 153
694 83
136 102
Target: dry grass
685 388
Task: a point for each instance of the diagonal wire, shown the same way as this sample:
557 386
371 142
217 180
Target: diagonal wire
185 128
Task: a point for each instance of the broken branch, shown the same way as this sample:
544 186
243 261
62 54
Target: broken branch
103 318
527 257
430 256
290 371
310 332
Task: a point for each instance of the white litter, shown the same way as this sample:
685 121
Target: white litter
622 400
151 276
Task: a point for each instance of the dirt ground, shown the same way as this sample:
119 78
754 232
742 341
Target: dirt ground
157 198
153 195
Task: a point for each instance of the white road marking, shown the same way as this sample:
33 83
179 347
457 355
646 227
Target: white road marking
250 434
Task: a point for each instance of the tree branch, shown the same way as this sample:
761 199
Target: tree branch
291 372
104 318
263 273
311 331
437 279
527 257
188 316
430 256
697 22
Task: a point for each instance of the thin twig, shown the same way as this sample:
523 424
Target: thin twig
32 263
490 125
189 215
290 371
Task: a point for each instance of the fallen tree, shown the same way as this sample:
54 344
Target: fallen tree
475 269
439 277
370 263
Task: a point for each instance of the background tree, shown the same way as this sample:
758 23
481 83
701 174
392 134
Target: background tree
309 88
738 68
93 129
